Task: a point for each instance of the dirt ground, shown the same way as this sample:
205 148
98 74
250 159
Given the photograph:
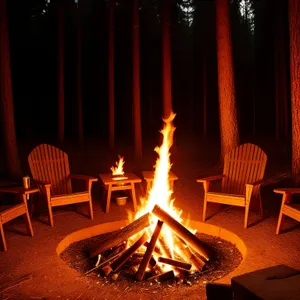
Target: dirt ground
52 278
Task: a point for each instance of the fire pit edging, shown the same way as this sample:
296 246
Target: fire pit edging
201 227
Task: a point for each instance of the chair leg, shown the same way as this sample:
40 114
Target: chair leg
3 237
50 215
91 208
108 198
280 220
28 220
133 196
246 215
204 209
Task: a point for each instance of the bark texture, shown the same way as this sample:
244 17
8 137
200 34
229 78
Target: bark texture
227 105
79 86
61 83
166 60
111 74
7 105
136 83
294 26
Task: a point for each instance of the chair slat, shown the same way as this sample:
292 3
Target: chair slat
244 164
50 164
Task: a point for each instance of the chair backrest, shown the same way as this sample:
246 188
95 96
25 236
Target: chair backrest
244 164
50 164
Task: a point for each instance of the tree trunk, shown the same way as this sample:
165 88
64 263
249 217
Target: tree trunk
7 106
61 88
227 105
136 83
280 72
79 87
111 75
166 60
205 95
294 25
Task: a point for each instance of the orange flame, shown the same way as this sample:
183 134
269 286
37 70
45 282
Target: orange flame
118 170
161 193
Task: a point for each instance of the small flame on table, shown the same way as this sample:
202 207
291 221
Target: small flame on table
118 171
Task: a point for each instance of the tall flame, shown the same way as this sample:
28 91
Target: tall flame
161 193
118 170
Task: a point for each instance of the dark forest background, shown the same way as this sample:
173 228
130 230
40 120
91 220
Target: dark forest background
33 46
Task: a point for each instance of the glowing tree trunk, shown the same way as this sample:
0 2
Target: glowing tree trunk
166 60
280 72
61 89
204 96
227 106
7 106
294 24
136 83
111 75
79 89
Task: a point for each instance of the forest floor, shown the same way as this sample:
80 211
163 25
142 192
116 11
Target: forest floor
52 278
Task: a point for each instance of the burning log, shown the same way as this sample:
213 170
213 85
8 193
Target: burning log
141 272
119 248
164 249
118 236
107 270
103 264
118 263
175 263
164 276
195 260
182 232
152 261
156 249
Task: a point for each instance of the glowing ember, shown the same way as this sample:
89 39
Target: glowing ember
118 170
161 194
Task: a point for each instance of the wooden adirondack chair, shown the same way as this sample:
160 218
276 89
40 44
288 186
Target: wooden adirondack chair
242 176
287 208
50 170
8 213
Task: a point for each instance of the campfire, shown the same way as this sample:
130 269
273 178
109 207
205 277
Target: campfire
156 244
118 171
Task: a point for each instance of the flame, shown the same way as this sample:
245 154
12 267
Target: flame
162 195
118 170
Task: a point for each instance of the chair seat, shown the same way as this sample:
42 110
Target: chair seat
224 198
70 198
292 210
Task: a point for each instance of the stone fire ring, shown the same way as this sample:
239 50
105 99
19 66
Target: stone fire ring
205 228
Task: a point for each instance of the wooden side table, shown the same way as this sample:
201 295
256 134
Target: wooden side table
112 185
14 211
149 176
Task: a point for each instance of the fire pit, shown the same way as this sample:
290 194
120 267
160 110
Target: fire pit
157 245
227 252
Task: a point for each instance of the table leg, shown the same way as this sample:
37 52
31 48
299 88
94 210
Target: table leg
108 198
133 196
28 220
3 237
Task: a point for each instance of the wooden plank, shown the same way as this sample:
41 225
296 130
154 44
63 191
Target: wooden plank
70 199
12 213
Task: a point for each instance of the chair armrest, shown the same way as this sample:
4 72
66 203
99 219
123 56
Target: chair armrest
258 182
287 191
43 183
83 177
211 178
19 190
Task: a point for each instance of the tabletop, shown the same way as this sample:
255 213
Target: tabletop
128 178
